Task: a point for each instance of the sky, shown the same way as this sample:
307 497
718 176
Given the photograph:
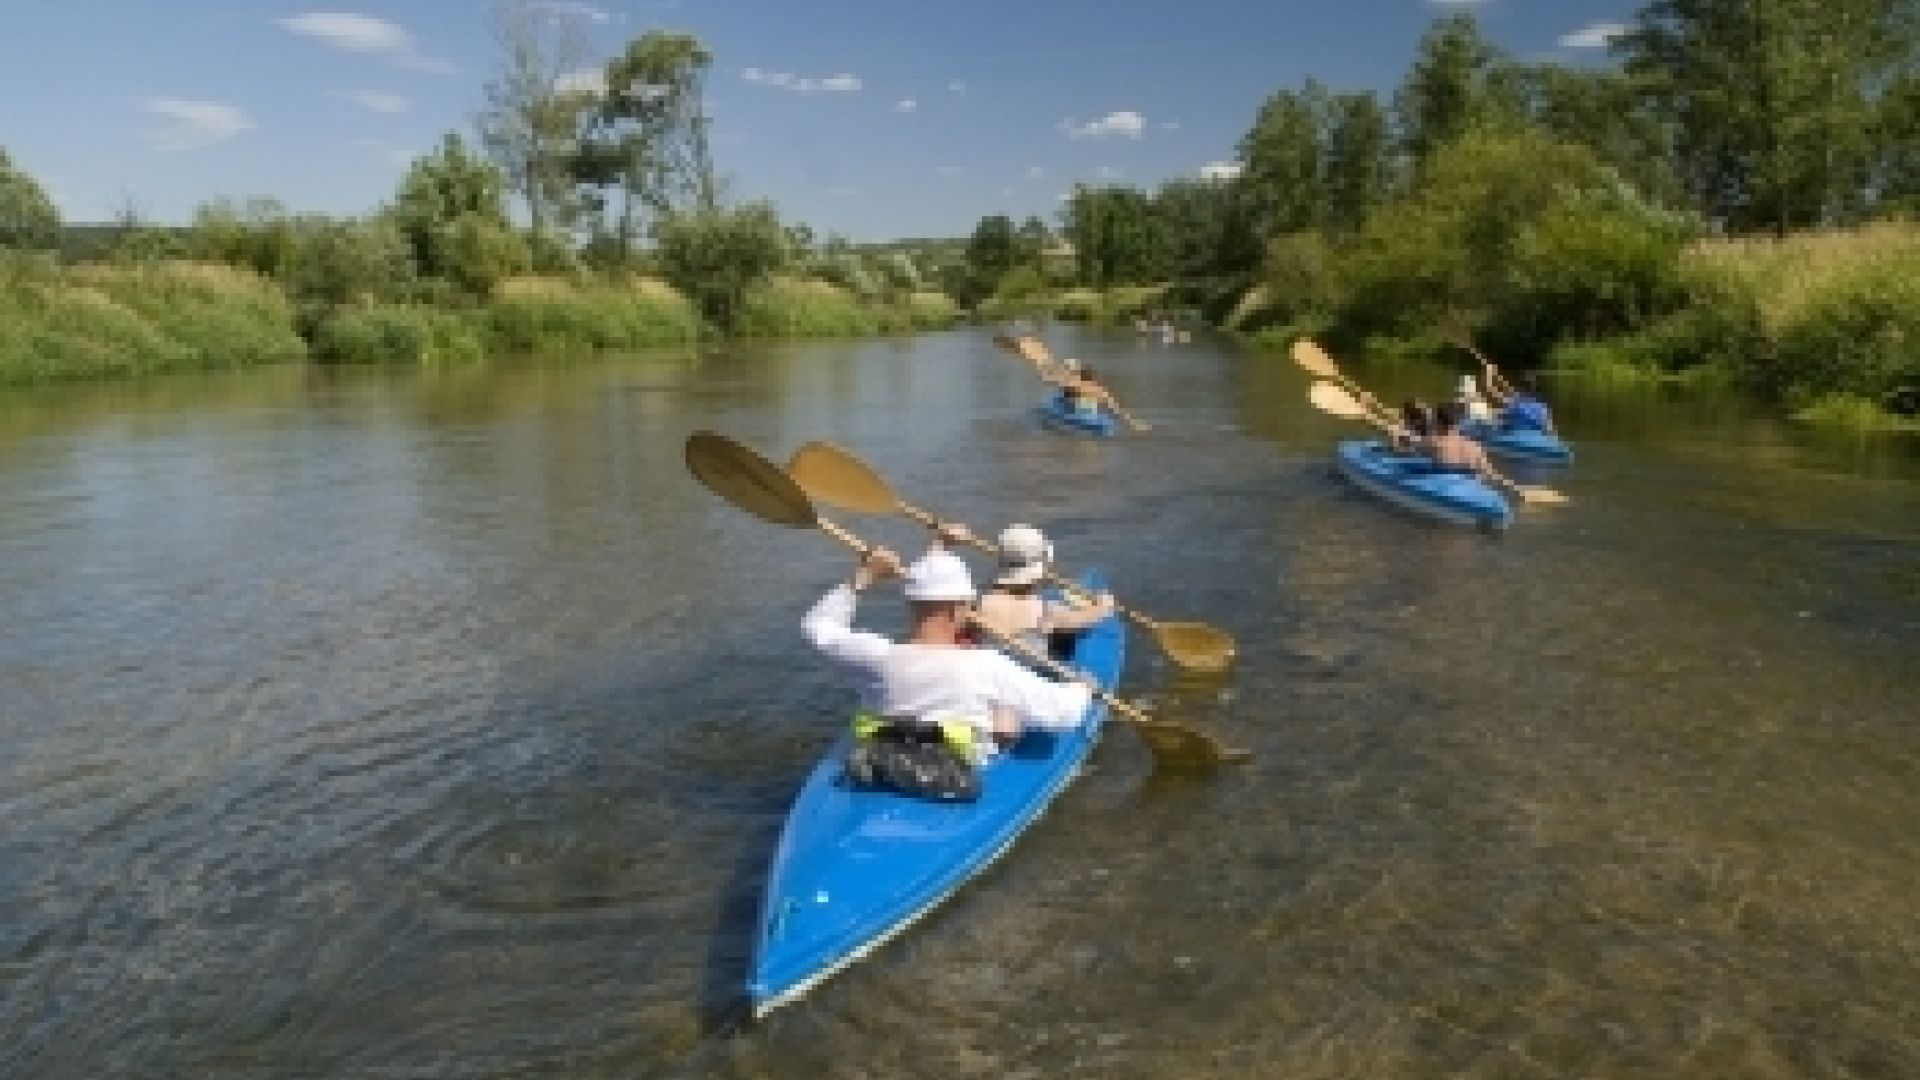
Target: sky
874 119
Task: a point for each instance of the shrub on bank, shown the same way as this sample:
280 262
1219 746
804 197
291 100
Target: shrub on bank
99 321
401 334
796 307
556 315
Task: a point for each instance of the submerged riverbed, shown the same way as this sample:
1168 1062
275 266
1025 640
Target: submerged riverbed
357 722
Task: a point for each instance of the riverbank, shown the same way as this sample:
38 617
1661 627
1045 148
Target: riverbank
101 320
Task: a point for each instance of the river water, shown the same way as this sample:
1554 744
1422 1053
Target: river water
436 723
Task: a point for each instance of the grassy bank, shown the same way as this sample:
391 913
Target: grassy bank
103 321
1118 306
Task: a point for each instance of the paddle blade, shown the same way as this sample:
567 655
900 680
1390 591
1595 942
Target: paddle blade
833 476
1336 401
1188 748
1309 355
1196 645
742 477
1035 350
1544 496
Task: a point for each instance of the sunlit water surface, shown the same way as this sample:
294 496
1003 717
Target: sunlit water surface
358 723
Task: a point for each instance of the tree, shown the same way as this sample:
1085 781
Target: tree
1358 167
716 256
1115 235
992 251
647 141
530 125
1444 92
1772 101
27 217
451 211
1281 155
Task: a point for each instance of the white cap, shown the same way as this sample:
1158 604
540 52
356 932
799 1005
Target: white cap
1024 554
1468 388
1071 363
939 575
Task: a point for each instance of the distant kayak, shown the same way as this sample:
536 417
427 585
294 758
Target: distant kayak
1520 445
1056 412
1413 482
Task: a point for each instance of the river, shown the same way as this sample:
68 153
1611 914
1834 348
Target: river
413 723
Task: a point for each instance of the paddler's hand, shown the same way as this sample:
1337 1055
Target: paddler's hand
878 564
952 534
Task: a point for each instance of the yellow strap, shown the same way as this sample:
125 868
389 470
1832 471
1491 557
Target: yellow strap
959 735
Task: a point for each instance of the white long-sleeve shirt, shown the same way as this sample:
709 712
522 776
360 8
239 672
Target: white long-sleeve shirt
931 682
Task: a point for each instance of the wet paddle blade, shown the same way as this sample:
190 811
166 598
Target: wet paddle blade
1544 496
833 476
1186 747
1196 645
742 477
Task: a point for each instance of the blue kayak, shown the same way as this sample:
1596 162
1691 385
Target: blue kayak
855 867
1413 482
1094 422
1520 444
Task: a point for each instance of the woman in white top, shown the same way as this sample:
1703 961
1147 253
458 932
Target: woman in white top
1470 399
937 675
1014 605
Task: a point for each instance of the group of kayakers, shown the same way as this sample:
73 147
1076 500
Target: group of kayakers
938 705
1440 432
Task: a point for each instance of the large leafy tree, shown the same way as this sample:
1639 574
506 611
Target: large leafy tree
1446 91
1773 102
1357 170
1281 161
1116 237
27 217
645 148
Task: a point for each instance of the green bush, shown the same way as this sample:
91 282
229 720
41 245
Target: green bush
552 315
401 334
1858 334
97 321
790 307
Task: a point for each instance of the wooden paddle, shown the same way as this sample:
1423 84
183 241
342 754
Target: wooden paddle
1336 401
835 476
742 477
1309 355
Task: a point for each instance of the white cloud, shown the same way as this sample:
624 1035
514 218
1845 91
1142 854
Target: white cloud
957 86
1125 123
905 105
949 170
1006 191
1035 172
366 34
1111 172
572 9
194 124
591 81
379 101
787 80
1220 170
1593 35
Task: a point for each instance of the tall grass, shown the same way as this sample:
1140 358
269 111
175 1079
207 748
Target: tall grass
808 307
557 315
99 321
401 334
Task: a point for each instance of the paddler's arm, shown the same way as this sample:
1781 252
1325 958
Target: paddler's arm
829 625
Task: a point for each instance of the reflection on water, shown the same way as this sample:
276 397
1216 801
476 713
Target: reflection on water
434 723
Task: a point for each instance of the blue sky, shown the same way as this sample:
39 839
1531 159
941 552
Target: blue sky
872 118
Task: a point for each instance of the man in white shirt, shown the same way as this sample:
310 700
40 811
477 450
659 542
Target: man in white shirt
937 675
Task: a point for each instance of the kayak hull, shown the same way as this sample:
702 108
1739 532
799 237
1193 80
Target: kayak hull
1521 445
1057 413
1408 481
856 867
